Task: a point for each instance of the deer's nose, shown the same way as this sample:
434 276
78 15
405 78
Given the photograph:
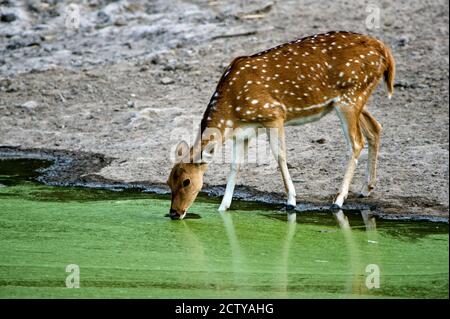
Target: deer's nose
173 214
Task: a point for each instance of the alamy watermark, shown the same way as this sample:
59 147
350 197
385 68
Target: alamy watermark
73 279
373 276
72 16
231 145
373 19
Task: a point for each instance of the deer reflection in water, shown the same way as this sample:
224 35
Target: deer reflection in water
284 277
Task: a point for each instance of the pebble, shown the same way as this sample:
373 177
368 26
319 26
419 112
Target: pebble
321 141
24 41
30 105
120 22
130 104
403 41
103 17
167 80
155 59
170 65
8 17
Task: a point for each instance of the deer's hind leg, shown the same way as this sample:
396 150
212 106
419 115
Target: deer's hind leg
350 122
371 130
276 134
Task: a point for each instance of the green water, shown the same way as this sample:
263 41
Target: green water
126 247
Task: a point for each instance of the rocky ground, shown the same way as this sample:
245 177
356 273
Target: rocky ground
135 74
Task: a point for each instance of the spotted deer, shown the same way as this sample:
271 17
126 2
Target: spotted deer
291 84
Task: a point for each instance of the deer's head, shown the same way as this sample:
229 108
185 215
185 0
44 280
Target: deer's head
185 182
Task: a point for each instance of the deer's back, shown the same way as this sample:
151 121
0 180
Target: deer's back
302 78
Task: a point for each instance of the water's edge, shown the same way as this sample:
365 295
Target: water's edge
75 169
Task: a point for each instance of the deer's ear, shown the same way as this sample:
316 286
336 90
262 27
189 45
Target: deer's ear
181 150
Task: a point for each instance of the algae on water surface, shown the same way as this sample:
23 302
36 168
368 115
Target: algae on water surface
126 247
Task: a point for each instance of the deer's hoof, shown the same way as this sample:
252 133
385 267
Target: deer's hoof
335 207
288 208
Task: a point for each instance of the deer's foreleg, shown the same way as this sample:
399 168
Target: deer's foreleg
240 147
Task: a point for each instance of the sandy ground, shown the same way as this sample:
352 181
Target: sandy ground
136 73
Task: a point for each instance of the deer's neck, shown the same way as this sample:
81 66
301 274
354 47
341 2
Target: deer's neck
215 128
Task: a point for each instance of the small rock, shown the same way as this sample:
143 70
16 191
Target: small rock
403 41
155 60
130 104
120 22
5 84
320 141
166 80
103 17
8 17
30 105
17 42
170 65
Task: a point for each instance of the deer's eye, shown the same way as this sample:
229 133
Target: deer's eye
186 182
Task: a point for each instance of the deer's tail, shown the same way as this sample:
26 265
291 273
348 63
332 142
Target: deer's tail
389 73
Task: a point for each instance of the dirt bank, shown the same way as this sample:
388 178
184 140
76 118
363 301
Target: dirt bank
135 72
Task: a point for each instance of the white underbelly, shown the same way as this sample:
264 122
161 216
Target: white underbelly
315 117
307 119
